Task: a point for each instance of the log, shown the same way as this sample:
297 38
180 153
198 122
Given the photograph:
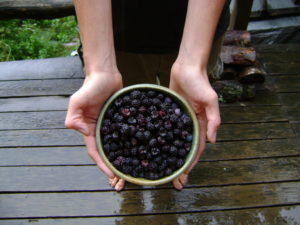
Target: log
235 55
229 73
46 9
237 37
228 90
251 75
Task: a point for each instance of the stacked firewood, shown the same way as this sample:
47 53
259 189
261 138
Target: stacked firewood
242 71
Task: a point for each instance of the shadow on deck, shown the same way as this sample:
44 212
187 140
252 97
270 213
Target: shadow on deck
250 176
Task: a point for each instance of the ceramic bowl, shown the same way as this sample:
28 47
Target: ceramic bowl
184 106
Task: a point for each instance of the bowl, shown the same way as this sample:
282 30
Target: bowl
184 106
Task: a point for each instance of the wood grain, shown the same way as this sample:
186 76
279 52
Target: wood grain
62 67
89 178
39 87
44 103
151 201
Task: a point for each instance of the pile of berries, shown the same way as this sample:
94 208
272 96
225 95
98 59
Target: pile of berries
146 134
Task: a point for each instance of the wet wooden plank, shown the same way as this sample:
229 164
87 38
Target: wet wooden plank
293 114
289 99
51 68
264 97
278 48
55 119
44 156
260 216
251 149
234 132
65 137
89 178
296 129
279 57
39 87
282 68
246 114
214 152
150 201
287 83
33 104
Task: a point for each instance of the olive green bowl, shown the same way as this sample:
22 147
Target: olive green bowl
184 106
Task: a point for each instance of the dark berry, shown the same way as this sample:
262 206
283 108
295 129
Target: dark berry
118 102
178 143
182 152
186 120
126 152
147 135
151 94
168 125
126 99
155 151
133 151
153 142
131 120
135 94
158 124
140 135
161 140
150 126
126 169
107 138
142 109
169 136
106 147
113 146
160 97
136 103
173 151
106 122
189 138
124 129
152 166
165 148
111 156
146 102
135 162
156 102
172 160
133 141
168 172
115 136
154 114
177 111
133 111
179 163
158 160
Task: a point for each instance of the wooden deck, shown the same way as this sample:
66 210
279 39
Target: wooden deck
251 176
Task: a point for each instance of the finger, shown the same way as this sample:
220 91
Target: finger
120 185
202 139
93 152
213 119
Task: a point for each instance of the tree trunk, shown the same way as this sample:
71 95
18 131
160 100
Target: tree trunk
234 55
237 37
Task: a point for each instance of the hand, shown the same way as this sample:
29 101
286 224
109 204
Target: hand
194 86
83 111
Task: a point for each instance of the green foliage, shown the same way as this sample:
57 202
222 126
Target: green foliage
35 39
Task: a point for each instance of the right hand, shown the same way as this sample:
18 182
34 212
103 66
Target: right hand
83 111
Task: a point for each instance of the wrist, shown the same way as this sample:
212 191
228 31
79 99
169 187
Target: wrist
184 66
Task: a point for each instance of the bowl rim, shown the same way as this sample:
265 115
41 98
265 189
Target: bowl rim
186 108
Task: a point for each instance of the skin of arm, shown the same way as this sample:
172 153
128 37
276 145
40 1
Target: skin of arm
189 72
102 76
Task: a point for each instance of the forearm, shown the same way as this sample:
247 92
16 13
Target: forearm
200 25
96 33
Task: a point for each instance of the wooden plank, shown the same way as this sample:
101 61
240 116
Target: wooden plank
65 137
246 114
53 137
89 178
151 201
278 57
23 88
32 120
51 68
287 83
214 152
263 97
33 104
47 9
251 149
296 128
55 119
260 216
46 103
254 131
293 114
44 156
282 68
278 48
289 99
